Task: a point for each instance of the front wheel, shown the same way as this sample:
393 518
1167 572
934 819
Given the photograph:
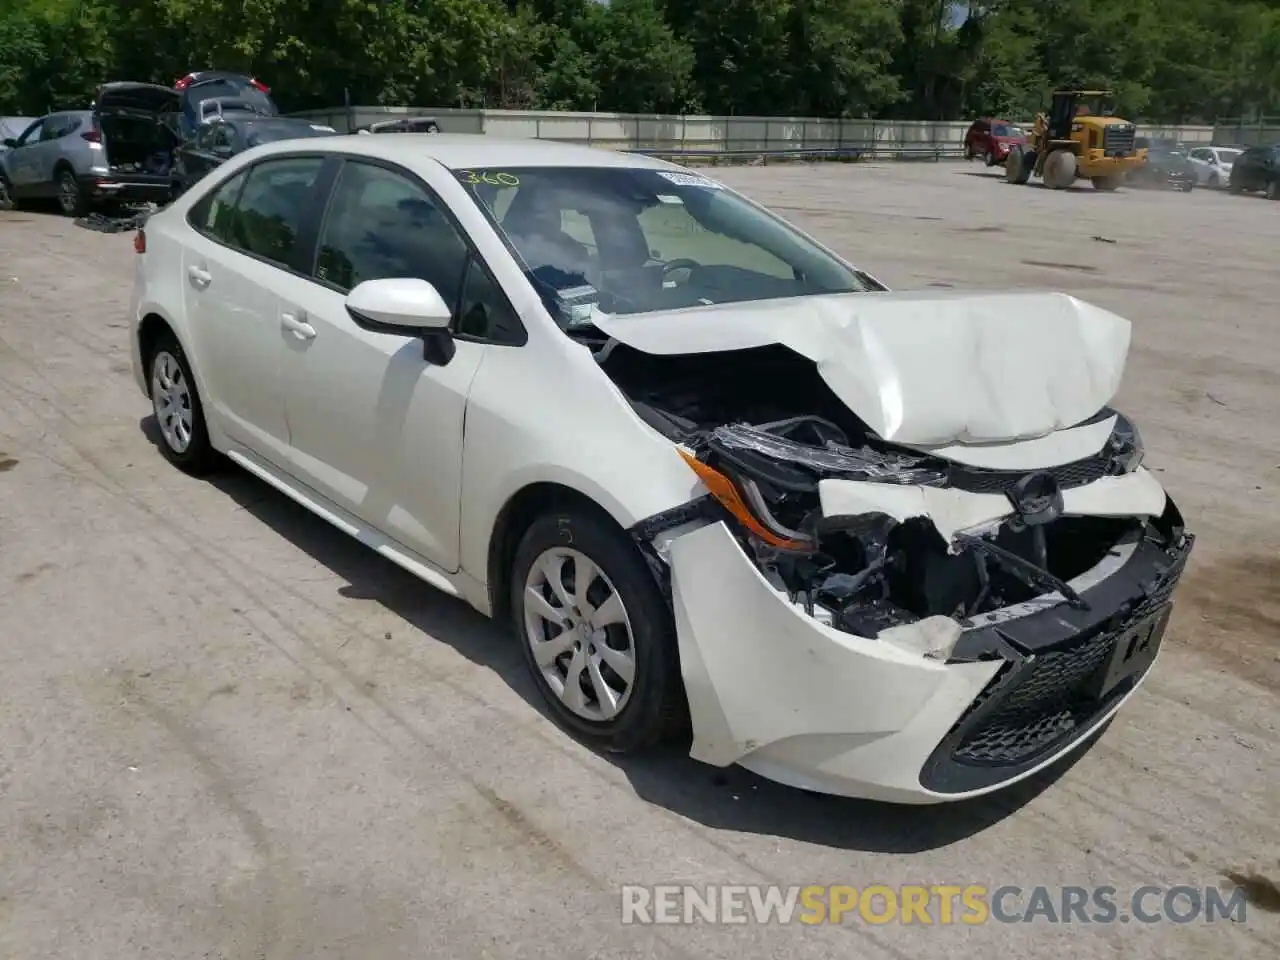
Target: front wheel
1107 184
1273 190
7 199
596 632
989 159
1017 165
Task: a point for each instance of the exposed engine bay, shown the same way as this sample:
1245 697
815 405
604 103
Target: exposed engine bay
763 431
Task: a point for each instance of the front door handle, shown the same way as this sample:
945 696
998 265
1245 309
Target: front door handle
298 326
199 277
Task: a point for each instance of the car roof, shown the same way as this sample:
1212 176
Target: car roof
460 151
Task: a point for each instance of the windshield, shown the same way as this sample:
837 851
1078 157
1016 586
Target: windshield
233 90
627 240
1007 130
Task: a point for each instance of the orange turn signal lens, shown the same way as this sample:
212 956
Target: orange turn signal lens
723 489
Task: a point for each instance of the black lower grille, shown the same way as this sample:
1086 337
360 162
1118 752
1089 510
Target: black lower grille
1076 474
1039 703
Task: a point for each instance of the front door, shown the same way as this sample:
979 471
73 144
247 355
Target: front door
373 426
23 161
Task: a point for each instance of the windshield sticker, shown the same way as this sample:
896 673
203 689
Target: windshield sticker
689 180
667 198
492 179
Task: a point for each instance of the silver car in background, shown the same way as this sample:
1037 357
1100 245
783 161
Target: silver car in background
121 148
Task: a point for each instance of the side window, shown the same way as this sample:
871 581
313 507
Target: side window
272 206
214 214
485 312
31 134
381 224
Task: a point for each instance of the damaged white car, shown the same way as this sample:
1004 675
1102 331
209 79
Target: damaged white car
721 482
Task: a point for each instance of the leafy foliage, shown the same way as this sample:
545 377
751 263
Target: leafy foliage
1176 60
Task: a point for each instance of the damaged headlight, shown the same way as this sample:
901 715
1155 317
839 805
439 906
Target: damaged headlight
767 476
1125 446
823 456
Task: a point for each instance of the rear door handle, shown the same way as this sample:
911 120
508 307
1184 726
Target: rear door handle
297 325
199 276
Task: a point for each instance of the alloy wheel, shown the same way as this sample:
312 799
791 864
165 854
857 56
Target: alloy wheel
580 633
171 399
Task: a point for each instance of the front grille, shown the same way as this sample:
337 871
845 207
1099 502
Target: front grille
1119 138
1039 704
1076 474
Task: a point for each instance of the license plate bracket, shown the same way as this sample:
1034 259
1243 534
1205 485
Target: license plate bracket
1134 651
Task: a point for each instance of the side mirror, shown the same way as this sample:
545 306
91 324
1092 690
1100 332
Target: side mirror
405 307
10 142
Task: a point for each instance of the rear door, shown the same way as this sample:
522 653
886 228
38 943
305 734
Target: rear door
246 243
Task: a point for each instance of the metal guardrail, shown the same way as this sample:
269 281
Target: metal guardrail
878 151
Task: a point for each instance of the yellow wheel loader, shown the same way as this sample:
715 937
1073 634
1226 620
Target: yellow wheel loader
1078 139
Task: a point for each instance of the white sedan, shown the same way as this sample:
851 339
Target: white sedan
1213 164
722 484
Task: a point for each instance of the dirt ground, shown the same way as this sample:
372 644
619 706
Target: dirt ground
227 731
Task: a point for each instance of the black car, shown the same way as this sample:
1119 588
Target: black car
1258 168
1165 167
403 125
222 138
206 94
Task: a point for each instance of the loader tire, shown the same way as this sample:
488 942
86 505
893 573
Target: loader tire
1017 166
1107 183
1060 170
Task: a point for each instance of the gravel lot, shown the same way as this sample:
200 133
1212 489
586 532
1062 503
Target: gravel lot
227 731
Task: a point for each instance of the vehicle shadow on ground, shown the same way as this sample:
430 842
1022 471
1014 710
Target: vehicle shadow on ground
729 799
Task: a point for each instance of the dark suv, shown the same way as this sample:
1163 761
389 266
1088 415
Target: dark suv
209 93
1258 168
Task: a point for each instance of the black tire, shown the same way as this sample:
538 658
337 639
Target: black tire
1108 184
1273 190
198 457
656 707
7 200
989 159
1018 165
72 200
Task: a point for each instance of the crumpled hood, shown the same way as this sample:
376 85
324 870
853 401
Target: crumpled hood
923 368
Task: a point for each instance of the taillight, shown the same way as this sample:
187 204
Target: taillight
259 85
184 82
93 136
140 241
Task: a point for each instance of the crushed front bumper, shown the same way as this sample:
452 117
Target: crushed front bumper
802 703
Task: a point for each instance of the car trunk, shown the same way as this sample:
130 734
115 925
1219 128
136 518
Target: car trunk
137 123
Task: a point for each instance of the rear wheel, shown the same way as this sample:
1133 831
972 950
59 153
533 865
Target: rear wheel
1273 190
7 199
184 439
596 633
1060 170
1107 183
71 197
